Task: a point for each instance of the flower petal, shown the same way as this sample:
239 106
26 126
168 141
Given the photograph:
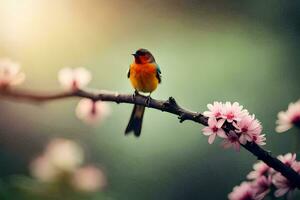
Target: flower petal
211 138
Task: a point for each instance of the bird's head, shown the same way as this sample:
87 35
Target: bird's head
143 56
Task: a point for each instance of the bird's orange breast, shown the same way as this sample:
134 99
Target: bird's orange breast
143 77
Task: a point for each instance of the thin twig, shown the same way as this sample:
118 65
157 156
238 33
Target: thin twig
170 106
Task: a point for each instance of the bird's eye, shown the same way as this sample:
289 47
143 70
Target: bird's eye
140 53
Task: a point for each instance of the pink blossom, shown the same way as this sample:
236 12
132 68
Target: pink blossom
287 119
10 74
91 111
260 169
245 191
264 178
288 159
215 110
248 127
233 112
262 186
283 185
63 154
212 130
74 79
259 139
61 162
42 169
89 179
232 140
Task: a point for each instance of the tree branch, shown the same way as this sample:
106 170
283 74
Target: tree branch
169 106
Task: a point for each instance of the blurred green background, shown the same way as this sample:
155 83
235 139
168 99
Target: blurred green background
245 51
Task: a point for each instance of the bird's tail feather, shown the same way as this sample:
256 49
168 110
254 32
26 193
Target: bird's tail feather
136 120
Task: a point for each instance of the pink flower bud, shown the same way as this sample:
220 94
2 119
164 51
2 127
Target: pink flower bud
10 74
74 79
91 112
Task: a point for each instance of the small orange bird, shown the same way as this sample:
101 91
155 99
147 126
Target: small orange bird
144 75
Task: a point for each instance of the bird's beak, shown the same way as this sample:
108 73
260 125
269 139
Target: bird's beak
134 55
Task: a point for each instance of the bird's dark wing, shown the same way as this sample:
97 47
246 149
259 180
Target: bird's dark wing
158 74
128 72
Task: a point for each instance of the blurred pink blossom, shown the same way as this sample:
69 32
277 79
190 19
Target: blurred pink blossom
43 170
245 191
283 185
212 130
260 169
288 159
60 156
91 111
287 119
10 74
262 186
64 154
264 178
62 161
74 78
89 179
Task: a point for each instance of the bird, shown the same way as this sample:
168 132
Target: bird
145 75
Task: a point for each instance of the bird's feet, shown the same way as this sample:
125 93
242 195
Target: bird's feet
148 100
136 93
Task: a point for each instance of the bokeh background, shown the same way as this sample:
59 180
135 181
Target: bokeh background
245 51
